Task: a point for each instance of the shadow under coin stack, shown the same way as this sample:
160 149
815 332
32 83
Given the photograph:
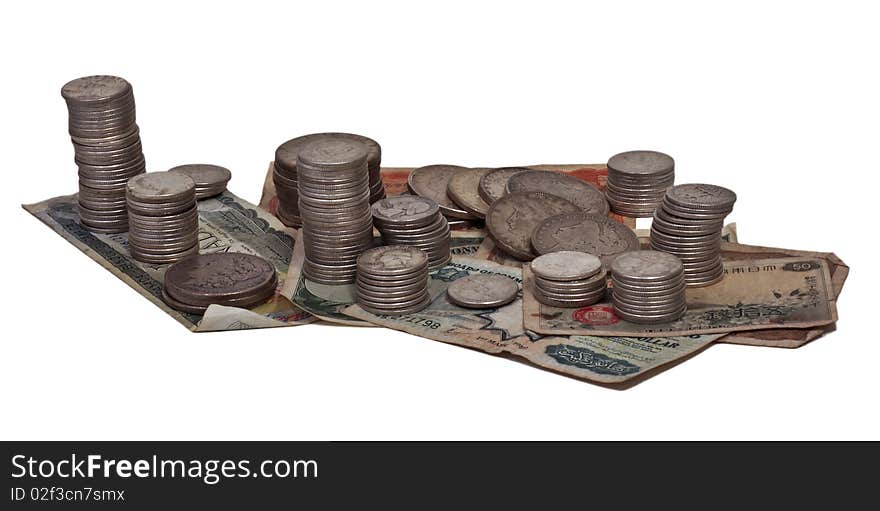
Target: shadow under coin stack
334 201
223 278
637 181
107 148
210 180
649 287
417 222
688 225
163 217
568 279
284 173
392 280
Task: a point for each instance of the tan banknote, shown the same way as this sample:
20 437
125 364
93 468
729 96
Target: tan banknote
500 331
793 292
227 223
327 301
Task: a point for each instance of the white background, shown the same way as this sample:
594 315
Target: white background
776 100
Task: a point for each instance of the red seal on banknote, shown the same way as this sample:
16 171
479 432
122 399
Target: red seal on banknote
596 315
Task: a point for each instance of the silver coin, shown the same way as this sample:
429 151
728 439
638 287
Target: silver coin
646 265
210 179
482 291
398 311
95 89
512 218
651 318
405 210
493 185
415 299
597 281
431 182
390 295
161 187
641 163
584 232
463 189
571 296
703 196
580 193
566 265
566 303
391 260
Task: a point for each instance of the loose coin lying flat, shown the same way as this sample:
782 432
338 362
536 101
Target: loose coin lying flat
577 191
584 232
482 291
431 182
493 185
210 180
512 218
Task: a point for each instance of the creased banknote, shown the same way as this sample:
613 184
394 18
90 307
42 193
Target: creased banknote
500 331
793 292
226 224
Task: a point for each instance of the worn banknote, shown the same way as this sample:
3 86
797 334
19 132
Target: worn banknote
327 301
792 292
500 331
227 223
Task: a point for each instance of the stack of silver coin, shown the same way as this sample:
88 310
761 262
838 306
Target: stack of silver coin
210 180
107 148
637 181
688 224
392 280
284 174
648 287
417 222
568 279
225 278
163 217
334 201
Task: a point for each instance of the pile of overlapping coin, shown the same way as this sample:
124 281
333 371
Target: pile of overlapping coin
414 221
285 176
637 181
568 279
224 278
107 148
688 225
210 180
648 287
392 280
163 217
334 201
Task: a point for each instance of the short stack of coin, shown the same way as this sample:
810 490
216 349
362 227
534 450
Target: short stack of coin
568 279
284 173
392 280
637 181
417 222
334 201
107 148
163 217
688 225
210 180
224 278
648 286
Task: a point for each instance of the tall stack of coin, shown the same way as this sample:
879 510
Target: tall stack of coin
688 224
417 222
637 181
392 280
334 201
210 180
568 279
225 278
107 148
163 217
284 174
649 287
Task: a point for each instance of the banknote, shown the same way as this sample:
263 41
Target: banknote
784 337
792 292
227 223
500 331
327 301
394 180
